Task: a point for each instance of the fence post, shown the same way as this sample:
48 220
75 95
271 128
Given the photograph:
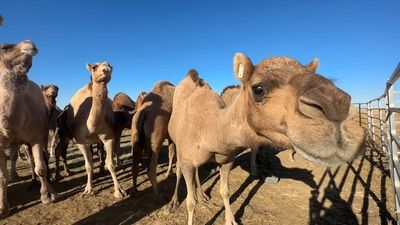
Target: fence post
359 114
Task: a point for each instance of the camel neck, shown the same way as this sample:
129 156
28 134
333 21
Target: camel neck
12 81
99 101
233 126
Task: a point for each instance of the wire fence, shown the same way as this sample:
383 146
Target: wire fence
381 117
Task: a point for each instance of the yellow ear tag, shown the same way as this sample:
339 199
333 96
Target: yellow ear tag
241 70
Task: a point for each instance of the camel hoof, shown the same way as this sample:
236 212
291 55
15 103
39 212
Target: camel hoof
204 196
173 205
231 222
53 197
120 193
45 199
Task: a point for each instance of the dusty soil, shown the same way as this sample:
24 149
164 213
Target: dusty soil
360 193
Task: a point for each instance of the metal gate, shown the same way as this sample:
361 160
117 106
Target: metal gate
381 116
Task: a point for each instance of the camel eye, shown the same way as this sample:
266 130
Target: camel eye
94 67
258 93
6 47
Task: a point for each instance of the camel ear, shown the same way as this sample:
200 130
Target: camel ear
1 20
89 67
313 66
242 67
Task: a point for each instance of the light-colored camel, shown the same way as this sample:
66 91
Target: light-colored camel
150 129
23 117
281 103
123 109
50 93
90 120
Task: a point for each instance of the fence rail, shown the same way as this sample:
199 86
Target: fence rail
379 117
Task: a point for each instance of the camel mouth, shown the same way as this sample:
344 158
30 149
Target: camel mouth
29 48
32 51
328 161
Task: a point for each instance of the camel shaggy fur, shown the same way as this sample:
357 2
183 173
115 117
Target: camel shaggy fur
150 129
281 103
90 120
23 116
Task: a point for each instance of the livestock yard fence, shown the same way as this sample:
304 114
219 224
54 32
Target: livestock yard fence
381 117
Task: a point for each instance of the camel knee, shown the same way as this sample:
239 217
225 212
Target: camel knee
224 191
191 203
40 170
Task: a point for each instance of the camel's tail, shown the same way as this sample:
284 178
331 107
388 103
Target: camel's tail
137 129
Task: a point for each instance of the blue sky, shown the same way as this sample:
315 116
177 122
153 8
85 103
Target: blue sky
357 42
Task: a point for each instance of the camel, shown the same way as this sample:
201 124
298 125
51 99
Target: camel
124 108
1 20
50 93
281 103
150 129
90 120
228 95
23 116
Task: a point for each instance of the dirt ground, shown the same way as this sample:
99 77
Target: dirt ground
360 193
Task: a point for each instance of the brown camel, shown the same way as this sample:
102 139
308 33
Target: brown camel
90 120
140 98
150 129
281 103
124 108
23 117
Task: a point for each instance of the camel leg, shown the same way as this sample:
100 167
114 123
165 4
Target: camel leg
171 155
4 207
34 183
13 159
109 147
188 172
101 154
61 150
41 171
173 204
118 148
224 172
85 149
200 190
137 154
154 148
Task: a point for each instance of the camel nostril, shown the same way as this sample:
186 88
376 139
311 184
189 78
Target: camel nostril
311 108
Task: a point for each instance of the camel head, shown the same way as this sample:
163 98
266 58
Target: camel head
50 92
140 98
289 104
100 72
16 59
